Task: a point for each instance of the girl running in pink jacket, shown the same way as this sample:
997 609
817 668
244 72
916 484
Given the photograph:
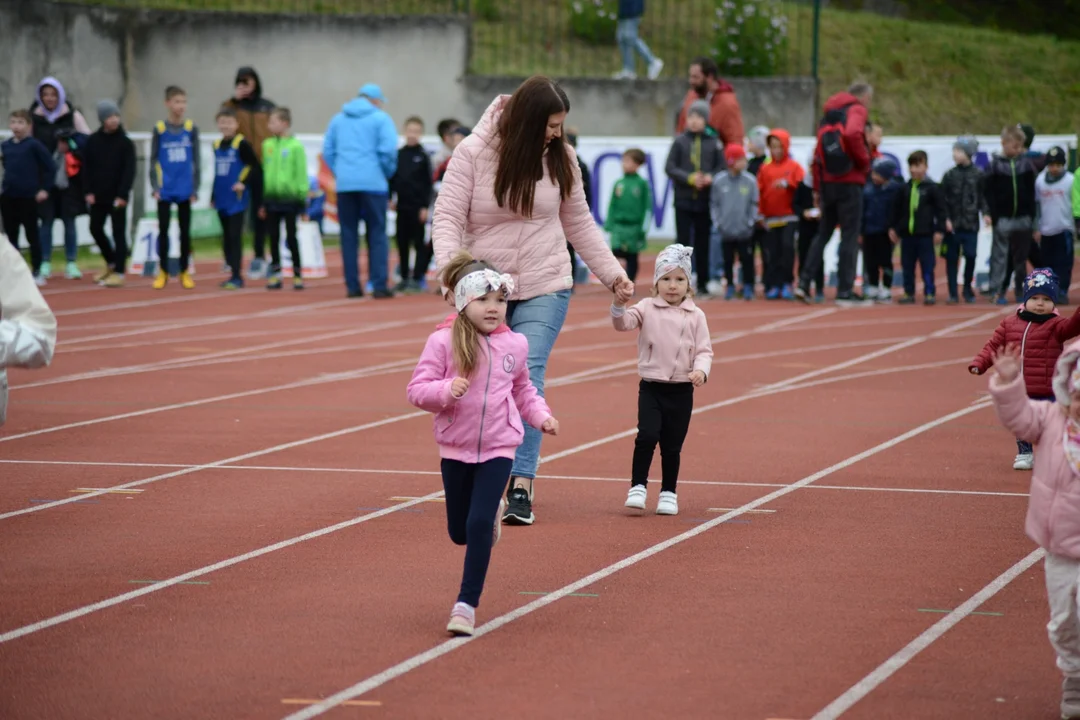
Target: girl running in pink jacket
473 376
674 357
1053 518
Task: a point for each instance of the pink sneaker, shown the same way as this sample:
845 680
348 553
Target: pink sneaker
498 523
462 620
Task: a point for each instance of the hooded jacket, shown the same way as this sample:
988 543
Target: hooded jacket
486 422
27 325
1053 517
674 340
962 186
725 115
1041 340
65 116
533 250
252 113
692 153
854 143
778 180
361 148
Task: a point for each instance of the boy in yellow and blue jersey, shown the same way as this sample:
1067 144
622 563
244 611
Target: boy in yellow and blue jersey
234 159
174 177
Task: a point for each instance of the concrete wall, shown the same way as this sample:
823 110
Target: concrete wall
313 64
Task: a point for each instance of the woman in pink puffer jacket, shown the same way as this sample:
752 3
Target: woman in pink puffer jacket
1053 518
512 196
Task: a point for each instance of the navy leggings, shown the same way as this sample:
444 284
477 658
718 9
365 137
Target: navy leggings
473 493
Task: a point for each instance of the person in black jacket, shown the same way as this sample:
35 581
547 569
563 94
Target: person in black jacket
962 187
1009 188
693 160
108 174
29 175
412 185
918 223
809 225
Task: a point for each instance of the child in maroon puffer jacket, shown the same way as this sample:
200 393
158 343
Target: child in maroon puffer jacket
1040 332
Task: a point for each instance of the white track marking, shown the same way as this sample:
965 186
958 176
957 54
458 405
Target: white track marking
87 609
449 646
888 668
434 473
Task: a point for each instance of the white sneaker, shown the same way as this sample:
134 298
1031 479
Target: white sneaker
1024 461
655 68
625 75
870 293
40 281
635 499
884 296
668 504
715 287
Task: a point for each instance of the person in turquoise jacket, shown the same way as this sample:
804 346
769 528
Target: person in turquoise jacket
360 148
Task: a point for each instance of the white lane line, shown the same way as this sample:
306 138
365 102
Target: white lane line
118 599
433 473
449 646
888 668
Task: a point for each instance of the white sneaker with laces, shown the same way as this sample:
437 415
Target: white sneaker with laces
668 504
1024 461
635 499
655 68
715 287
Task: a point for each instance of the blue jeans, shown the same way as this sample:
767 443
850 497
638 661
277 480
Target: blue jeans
371 208
1058 256
47 214
716 256
539 319
626 33
918 249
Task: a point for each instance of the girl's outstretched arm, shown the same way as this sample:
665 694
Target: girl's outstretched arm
429 388
1070 328
624 318
533 408
1023 417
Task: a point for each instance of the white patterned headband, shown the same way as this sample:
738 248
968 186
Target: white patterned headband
673 257
479 283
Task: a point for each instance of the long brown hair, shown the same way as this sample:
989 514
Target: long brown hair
464 338
522 128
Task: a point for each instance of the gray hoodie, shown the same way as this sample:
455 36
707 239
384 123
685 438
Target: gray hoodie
734 205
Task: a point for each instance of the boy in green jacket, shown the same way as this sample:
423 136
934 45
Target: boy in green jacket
285 181
631 201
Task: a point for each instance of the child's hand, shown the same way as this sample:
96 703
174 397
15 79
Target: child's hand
213 204
119 202
459 387
624 290
238 187
194 199
1036 236
42 196
938 237
157 195
90 199
973 370
423 216
550 426
893 237
262 213
948 226
988 221
697 378
1007 363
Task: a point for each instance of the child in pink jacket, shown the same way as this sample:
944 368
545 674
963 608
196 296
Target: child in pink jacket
473 376
674 357
1053 518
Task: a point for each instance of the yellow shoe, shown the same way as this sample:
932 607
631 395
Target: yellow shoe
186 281
103 275
115 280
160 280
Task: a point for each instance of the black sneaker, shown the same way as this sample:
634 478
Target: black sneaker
354 294
802 294
519 510
382 294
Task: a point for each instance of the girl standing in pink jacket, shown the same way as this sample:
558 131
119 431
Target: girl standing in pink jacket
473 375
674 357
513 195
1053 518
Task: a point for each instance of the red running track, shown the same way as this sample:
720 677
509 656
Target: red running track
205 513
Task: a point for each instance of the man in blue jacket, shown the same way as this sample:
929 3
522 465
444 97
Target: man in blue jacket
361 148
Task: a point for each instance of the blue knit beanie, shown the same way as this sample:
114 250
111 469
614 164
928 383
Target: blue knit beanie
1041 281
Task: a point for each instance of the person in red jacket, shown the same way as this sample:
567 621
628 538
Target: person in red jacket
778 180
841 164
1040 332
725 115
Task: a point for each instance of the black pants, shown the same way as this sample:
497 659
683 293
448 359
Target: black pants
745 251
778 253
663 417
631 259
877 252
232 241
22 213
410 236
692 229
808 231
274 218
841 204
1057 253
473 493
258 225
1020 250
183 216
955 244
115 253
920 249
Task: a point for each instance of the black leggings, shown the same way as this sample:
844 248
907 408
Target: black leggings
663 417
183 216
631 263
22 213
410 236
877 260
473 493
692 228
778 249
808 230
745 251
115 253
232 241
274 219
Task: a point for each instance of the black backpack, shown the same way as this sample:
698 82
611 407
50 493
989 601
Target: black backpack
830 138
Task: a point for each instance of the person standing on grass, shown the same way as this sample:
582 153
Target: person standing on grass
512 195
361 150
285 189
27 325
674 357
725 115
1053 506
234 161
471 363
841 164
412 187
175 174
29 174
109 173
626 33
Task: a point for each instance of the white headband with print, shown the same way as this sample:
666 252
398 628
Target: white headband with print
479 283
673 257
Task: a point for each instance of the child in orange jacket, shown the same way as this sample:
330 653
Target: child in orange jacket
778 180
